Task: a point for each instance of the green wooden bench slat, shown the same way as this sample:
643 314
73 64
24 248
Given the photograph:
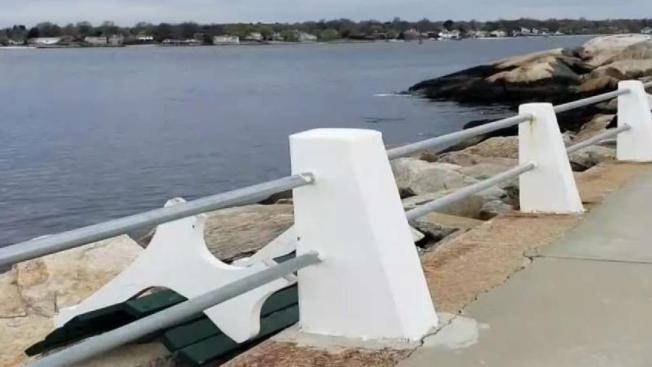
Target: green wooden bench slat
199 329
82 326
104 319
221 348
147 305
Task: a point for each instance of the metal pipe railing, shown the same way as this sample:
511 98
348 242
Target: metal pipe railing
66 240
468 191
172 316
445 140
589 101
598 138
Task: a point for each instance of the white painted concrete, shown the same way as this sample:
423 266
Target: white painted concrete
370 284
550 187
634 110
177 258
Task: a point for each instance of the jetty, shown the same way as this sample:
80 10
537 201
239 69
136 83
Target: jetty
562 281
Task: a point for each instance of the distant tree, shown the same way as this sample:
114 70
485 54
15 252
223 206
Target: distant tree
449 24
84 29
47 29
34 32
290 35
163 31
329 34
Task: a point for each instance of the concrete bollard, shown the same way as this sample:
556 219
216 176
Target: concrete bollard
370 284
550 187
634 144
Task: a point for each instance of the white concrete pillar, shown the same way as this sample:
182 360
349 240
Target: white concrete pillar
370 284
550 187
634 144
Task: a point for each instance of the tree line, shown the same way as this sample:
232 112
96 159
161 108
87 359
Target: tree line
324 29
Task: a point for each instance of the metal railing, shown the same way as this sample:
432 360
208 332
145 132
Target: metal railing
179 313
63 241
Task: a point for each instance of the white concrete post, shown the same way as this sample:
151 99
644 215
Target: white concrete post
370 284
634 144
550 187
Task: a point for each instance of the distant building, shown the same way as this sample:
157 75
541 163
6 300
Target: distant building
116 40
411 34
96 41
307 37
478 34
176 42
144 38
498 34
450 35
254 36
276 36
226 40
646 30
44 41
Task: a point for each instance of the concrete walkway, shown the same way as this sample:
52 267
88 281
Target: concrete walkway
585 301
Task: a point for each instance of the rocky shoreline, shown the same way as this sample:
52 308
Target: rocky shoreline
35 290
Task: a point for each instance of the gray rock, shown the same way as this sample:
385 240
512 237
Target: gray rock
502 147
590 156
238 232
416 177
469 207
466 159
438 226
493 209
593 127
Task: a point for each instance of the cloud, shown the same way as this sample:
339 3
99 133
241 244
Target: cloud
130 11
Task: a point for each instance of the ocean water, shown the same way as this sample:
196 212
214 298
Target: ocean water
87 135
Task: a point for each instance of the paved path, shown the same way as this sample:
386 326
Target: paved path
585 301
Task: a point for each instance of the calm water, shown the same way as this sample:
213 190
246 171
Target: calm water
89 135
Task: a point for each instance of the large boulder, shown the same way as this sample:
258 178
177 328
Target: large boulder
33 292
549 75
558 75
416 177
605 49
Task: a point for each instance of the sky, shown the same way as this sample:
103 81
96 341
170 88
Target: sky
128 12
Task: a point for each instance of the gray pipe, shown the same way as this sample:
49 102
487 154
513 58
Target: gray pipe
598 138
445 141
468 191
589 101
172 316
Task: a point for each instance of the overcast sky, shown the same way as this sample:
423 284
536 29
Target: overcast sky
127 12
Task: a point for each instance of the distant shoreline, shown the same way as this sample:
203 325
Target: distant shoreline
282 43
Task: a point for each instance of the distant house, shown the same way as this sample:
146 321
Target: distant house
646 30
411 34
307 37
450 35
44 41
254 36
96 41
144 38
226 40
498 34
478 34
116 40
